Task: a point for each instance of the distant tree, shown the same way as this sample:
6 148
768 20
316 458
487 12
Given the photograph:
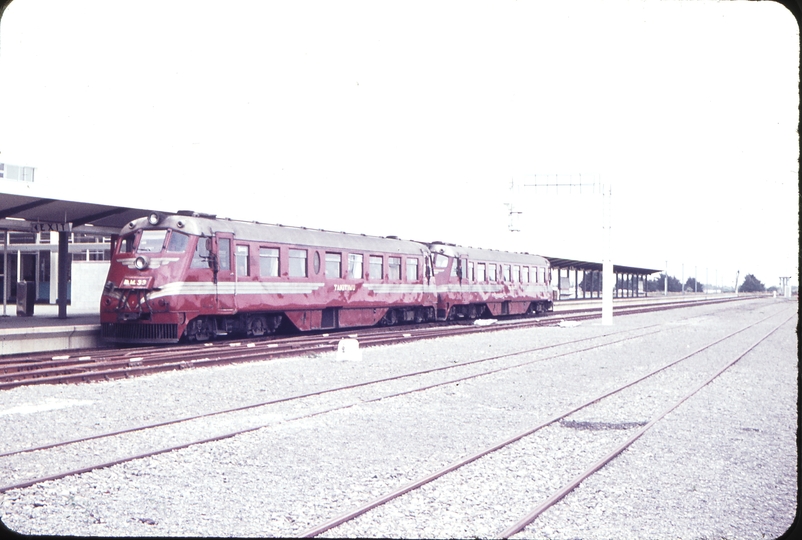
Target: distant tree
773 288
689 285
658 285
751 284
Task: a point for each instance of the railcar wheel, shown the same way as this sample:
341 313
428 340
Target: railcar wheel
257 326
200 329
390 318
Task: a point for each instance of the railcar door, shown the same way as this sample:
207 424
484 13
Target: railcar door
226 287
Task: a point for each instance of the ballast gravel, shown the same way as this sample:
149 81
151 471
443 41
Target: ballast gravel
723 465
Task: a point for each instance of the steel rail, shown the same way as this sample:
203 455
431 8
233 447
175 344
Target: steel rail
60 370
565 490
348 516
30 482
339 389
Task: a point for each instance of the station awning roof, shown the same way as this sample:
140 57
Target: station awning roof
84 217
558 262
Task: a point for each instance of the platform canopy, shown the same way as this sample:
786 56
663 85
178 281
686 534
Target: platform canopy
82 217
557 262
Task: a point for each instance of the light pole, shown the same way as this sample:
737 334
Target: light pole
607 263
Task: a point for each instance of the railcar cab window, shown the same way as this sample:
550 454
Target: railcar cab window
127 244
334 265
268 262
376 267
151 241
200 259
178 242
243 261
355 265
412 269
395 267
298 263
440 261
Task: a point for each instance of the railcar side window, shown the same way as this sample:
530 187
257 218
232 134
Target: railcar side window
151 241
268 262
298 262
454 268
334 265
178 242
355 265
541 275
505 270
516 273
412 269
471 273
524 274
127 244
480 272
243 261
491 272
395 267
376 270
315 263
224 253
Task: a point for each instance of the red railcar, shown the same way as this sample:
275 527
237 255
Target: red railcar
195 277
473 282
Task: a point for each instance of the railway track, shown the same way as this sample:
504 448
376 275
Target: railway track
478 477
305 396
192 425
107 364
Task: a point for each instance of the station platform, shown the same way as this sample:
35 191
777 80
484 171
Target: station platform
44 331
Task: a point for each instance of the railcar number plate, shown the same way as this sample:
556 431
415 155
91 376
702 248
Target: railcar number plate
136 283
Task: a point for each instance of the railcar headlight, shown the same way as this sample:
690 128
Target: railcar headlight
154 218
141 263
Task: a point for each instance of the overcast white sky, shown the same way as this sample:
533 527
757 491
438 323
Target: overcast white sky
415 118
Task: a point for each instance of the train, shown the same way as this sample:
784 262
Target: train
188 276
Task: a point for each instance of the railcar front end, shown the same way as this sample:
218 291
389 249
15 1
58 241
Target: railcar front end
157 281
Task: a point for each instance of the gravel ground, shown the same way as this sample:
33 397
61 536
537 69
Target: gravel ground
722 465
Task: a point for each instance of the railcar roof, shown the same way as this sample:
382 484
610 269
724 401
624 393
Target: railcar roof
261 232
489 255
